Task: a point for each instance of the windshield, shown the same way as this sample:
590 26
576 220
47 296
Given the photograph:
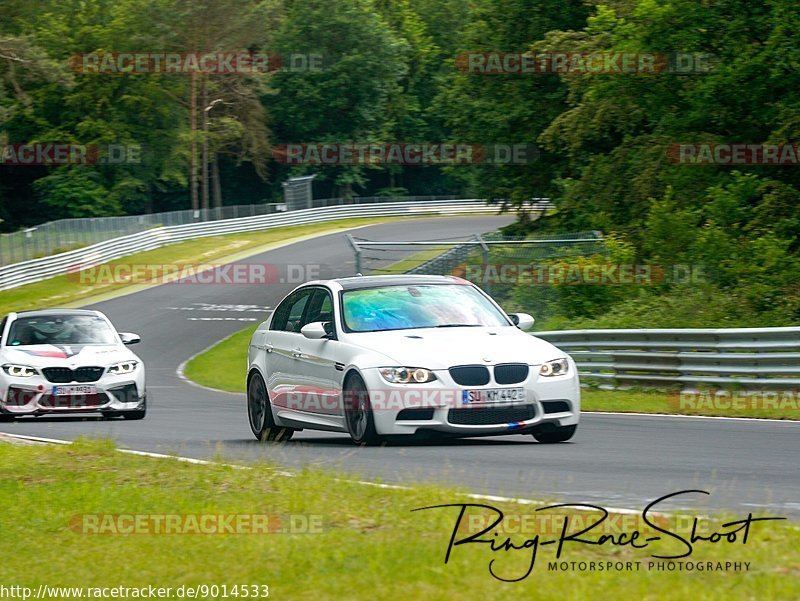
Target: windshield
60 329
408 307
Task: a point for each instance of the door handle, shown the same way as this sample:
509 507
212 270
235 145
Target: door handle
296 353
268 347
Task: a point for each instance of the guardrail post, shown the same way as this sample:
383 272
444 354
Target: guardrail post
356 252
485 253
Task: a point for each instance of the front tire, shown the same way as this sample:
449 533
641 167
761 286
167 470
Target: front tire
259 413
134 415
358 413
129 415
561 434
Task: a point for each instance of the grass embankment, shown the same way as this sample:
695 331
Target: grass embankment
405 265
68 289
222 367
730 404
322 537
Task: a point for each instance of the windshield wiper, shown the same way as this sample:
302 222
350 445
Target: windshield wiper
460 325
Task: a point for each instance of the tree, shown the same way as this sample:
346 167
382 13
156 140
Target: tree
344 101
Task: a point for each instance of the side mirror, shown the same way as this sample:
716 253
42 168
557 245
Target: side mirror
130 338
317 330
522 320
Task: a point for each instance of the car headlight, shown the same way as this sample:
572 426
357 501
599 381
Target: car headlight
407 375
126 367
19 371
556 367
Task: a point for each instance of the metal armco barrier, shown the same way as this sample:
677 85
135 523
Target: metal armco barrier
36 270
749 358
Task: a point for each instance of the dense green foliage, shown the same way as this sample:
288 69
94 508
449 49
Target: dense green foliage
390 74
741 224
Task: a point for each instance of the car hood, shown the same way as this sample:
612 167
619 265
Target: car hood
66 355
440 348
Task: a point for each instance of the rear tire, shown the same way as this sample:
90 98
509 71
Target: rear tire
562 434
5 418
358 413
259 413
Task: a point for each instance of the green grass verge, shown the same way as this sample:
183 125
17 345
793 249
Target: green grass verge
414 260
223 367
69 290
344 541
733 404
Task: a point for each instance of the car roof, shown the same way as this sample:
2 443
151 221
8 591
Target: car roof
375 281
46 312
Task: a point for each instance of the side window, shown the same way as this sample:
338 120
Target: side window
3 326
289 314
320 307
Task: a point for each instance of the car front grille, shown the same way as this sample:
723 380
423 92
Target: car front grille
510 373
470 375
485 416
62 375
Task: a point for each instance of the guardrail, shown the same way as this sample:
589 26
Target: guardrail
529 249
36 270
59 236
744 357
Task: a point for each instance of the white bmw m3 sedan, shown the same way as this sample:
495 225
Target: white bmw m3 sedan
402 355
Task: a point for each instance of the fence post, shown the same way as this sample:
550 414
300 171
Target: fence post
356 251
485 253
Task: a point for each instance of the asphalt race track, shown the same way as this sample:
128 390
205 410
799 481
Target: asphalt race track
615 461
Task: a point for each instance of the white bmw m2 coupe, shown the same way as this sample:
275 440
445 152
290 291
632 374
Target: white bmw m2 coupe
401 355
68 361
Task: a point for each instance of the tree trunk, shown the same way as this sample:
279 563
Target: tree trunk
215 181
193 143
205 144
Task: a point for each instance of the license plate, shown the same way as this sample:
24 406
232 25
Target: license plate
73 390
493 395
